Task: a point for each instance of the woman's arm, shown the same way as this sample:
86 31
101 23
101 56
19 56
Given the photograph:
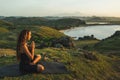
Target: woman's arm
28 53
32 47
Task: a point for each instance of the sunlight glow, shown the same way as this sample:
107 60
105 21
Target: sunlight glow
60 8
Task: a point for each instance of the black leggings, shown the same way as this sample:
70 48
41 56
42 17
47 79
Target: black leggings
28 68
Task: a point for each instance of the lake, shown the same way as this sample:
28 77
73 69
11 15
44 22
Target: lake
99 31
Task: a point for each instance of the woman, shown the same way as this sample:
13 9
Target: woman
25 54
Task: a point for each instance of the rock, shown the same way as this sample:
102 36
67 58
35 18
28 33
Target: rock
90 56
63 41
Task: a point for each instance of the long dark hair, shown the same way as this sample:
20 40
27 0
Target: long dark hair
22 38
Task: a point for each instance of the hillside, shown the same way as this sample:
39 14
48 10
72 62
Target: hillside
3 30
84 61
40 34
5 23
80 66
47 32
63 23
110 44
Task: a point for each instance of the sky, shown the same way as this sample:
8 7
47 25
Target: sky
60 8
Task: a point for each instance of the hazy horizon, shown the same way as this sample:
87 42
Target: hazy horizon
108 8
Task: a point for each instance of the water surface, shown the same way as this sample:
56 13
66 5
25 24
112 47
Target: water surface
99 31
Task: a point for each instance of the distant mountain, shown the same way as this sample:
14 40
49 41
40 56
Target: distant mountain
1 17
73 14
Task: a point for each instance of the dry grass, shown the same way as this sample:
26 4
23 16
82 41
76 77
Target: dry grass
7 52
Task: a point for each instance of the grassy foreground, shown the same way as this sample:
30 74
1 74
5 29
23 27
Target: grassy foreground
80 67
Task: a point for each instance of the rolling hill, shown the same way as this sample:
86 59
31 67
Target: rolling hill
82 64
110 44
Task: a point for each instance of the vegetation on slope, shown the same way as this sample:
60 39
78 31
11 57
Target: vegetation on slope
64 23
111 43
3 30
40 34
86 44
5 23
80 68
47 32
104 67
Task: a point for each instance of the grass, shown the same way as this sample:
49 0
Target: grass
3 30
55 54
110 44
47 32
9 52
9 37
86 44
7 44
80 68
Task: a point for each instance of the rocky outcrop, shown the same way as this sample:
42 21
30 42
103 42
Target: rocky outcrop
63 42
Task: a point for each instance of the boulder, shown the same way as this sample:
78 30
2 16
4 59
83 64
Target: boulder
90 56
63 41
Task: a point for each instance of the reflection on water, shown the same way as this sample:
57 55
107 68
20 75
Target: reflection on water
99 31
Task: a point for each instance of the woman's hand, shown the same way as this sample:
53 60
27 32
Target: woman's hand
31 63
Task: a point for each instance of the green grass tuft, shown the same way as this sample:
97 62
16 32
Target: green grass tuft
3 30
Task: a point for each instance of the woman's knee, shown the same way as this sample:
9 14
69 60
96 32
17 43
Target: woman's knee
40 68
39 56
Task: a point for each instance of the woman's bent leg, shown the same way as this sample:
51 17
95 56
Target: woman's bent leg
37 59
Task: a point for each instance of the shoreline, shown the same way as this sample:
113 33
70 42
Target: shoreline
99 31
86 26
